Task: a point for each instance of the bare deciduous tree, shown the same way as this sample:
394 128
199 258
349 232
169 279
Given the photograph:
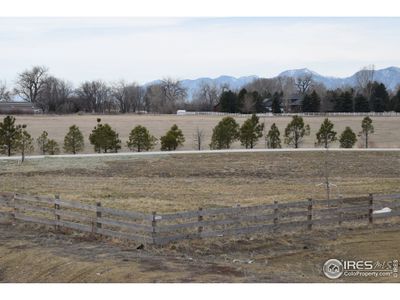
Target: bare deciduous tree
129 97
304 84
55 95
173 90
5 95
206 97
30 83
198 139
95 96
249 105
364 79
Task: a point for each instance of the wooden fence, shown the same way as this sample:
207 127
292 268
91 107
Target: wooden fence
161 229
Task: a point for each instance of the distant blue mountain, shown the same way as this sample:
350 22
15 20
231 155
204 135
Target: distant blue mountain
389 76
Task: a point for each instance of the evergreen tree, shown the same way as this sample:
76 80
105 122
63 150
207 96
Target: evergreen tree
140 139
344 102
9 135
273 137
361 103
326 134
395 102
25 143
379 100
366 129
347 138
228 102
295 131
250 132
258 101
104 138
276 103
315 102
52 147
42 142
224 133
306 103
73 140
240 100
172 139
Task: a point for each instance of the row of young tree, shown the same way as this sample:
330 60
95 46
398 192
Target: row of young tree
228 131
15 138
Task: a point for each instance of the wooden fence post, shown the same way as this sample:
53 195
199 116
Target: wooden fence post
371 209
154 225
56 208
309 214
200 219
98 216
340 211
14 210
276 216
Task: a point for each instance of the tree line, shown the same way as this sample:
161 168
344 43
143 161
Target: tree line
54 95
15 138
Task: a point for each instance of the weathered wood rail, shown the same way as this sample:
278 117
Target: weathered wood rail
235 221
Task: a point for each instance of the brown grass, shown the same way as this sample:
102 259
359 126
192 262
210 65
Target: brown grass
386 128
185 182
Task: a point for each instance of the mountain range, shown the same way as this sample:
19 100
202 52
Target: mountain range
388 76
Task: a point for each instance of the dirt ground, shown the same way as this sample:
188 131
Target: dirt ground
386 128
32 254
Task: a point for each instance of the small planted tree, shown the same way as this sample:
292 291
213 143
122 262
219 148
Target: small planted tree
224 133
140 139
25 143
295 131
9 135
73 140
53 147
348 138
273 137
172 139
104 138
366 129
198 139
326 135
42 142
250 132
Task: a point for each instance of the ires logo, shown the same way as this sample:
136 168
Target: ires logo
334 268
358 265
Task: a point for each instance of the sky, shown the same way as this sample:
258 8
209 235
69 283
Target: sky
145 49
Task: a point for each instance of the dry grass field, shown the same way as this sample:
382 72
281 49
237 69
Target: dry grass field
171 182
180 182
386 128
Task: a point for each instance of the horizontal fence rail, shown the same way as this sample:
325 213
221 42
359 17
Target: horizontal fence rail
235 221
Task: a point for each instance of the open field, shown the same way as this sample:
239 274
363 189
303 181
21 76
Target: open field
171 182
167 183
386 128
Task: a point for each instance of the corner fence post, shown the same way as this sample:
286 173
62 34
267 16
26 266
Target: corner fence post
309 214
371 209
56 213
200 219
154 225
98 217
276 216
